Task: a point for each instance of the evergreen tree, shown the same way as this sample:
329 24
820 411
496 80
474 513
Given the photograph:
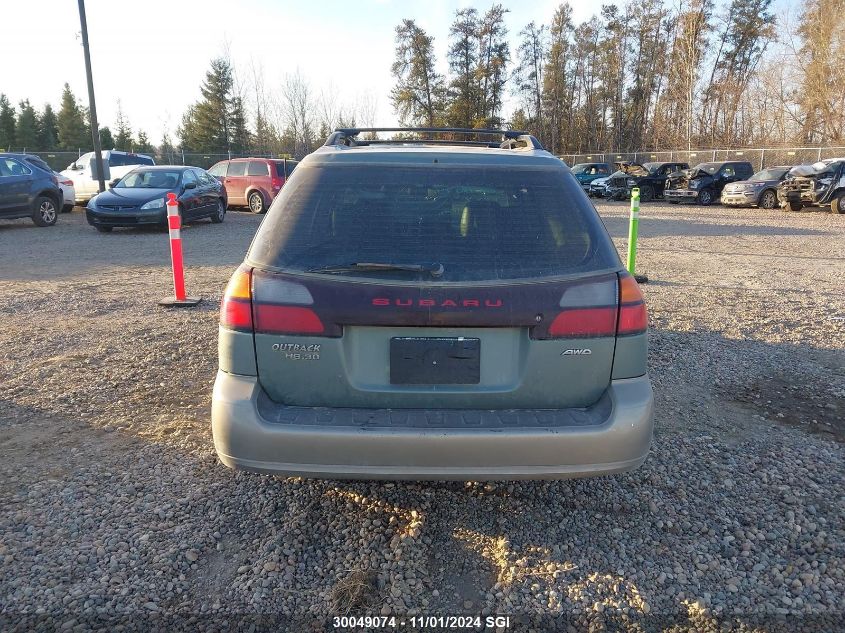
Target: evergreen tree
418 95
123 138
7 124
820 98
463 62
26 127
71 123
187 130
493 58
144 146
211 127
240 137
106 138
529 72
48 131
166 151
556 78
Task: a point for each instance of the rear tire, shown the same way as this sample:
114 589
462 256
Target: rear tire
705 197
768 199
104 229
256 202
218 216
67 208
646 193
44 212
795 206
673 201
837 205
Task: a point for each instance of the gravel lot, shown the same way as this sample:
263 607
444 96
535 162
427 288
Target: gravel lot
114 509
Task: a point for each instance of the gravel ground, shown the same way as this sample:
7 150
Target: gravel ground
114 511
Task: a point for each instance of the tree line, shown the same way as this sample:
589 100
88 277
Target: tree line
641 75
45 130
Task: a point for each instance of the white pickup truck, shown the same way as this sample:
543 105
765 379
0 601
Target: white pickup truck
116 164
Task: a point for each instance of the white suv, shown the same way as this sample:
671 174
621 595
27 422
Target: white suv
116 164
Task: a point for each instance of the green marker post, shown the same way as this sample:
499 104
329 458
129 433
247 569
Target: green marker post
632 234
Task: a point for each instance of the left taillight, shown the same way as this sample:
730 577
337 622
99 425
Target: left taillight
236 306
282 306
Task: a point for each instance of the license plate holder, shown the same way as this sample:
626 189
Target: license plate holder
435 360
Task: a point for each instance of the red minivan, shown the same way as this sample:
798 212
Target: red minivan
253 182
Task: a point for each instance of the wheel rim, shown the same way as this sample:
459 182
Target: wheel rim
221 210
705 197
255 202
768 200
47 211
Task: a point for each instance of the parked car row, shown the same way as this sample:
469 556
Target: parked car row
733 183
29 189
137 188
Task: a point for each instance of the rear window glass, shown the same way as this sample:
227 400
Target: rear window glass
257 168
236 169
38 162
219 169
480 224
280 168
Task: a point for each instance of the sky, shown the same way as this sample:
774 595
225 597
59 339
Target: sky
152 55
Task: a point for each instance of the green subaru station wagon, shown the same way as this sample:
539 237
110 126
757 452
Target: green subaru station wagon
432 309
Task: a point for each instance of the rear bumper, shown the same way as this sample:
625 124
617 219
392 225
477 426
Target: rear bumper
252 433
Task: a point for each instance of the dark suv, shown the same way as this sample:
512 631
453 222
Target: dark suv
27 190
649 177
253 182
421 311
704 182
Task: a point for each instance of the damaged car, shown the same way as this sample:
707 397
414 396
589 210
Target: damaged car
761 190
817 185
597 188
649 177
586 173
704 182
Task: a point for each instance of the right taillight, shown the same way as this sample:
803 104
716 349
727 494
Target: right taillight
236 306
633 317
598 308
587 310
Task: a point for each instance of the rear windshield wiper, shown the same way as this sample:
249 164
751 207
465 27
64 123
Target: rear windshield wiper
435 269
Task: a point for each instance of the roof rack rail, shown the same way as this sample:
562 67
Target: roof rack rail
510 139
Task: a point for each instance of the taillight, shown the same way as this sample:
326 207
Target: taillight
587 310
633 317
584 323
599 308
236 306
283 307
67 183
277 182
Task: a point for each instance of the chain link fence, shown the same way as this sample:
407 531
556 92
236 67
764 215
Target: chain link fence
759 157
61 160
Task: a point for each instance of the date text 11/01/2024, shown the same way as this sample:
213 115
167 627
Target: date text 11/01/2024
423 622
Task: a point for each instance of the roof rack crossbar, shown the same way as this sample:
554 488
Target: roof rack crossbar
510 138
428 141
